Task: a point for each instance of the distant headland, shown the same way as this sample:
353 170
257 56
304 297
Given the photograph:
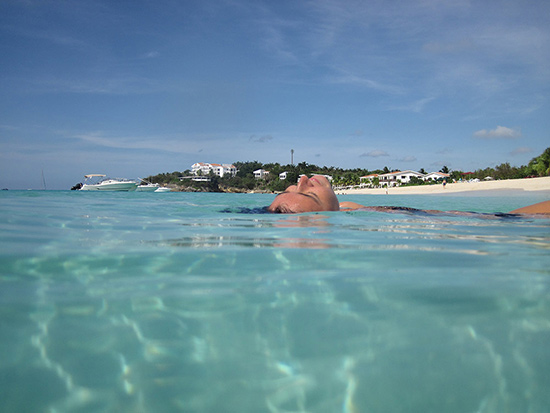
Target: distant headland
254 176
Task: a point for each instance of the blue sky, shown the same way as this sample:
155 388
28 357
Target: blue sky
136 88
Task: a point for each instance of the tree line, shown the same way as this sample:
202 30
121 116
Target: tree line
244 179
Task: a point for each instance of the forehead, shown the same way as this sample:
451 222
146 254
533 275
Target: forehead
296 202
297 196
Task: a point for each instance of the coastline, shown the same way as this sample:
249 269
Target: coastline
462 188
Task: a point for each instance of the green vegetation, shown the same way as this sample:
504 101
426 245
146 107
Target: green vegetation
539 166
244 180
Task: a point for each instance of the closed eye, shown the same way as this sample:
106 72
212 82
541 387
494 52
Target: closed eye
312 196
283 209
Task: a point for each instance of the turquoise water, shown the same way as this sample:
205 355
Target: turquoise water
178 302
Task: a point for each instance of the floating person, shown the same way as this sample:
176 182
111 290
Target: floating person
309 195
315 194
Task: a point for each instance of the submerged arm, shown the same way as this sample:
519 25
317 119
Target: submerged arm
540 208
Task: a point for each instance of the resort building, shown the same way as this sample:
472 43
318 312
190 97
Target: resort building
399 177
369 178
434 176
283 175
203 168
260 173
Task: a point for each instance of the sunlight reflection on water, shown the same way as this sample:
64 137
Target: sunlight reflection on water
125 303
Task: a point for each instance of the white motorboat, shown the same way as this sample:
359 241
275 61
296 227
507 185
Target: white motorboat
162 189
98 182
148 188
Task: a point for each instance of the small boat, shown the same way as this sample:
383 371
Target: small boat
162 189
147 186
107 184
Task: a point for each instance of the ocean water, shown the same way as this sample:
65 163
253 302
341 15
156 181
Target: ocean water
183 302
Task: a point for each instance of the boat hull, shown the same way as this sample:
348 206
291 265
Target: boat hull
147 188
110 186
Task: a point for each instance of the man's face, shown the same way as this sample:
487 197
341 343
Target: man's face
310 195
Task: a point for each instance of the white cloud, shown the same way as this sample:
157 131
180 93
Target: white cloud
501 132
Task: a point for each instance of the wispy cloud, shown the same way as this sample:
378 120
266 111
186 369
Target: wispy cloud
183 144
9 127
355 80
273 32
150 55
440 164
521 151
500 132
260 139
408 159
446 47
108 85
135 143
374 154
416 106
54 36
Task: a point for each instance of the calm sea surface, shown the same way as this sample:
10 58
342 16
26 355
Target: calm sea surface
182 302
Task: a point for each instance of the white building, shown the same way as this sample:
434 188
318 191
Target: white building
203 168
283 175
400 177
434 176
369 178
260 173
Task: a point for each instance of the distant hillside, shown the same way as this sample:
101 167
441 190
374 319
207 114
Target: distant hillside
244 180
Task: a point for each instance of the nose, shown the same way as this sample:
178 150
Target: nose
303 182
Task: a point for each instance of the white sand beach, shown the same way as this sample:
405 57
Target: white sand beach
528 184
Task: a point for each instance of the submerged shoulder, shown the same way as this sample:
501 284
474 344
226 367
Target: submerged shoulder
539 208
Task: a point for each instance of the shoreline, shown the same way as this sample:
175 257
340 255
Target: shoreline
540 184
